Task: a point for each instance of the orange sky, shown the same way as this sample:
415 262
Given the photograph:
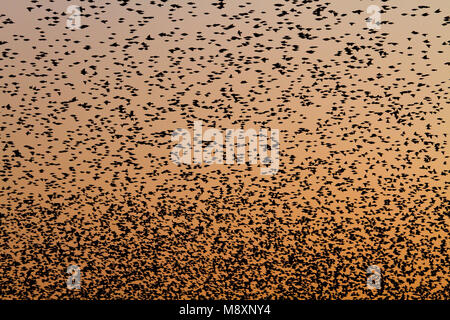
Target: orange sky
363 142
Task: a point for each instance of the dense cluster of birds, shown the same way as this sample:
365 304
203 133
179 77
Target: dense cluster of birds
86 118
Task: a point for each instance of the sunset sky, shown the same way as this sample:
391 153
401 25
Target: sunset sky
86 176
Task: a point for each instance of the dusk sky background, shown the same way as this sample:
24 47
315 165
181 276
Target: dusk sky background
85 130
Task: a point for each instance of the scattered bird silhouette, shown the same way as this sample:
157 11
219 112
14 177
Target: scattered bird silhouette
86 123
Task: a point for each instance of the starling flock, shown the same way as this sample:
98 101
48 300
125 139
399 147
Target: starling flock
87 114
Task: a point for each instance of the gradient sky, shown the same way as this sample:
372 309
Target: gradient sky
364 153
